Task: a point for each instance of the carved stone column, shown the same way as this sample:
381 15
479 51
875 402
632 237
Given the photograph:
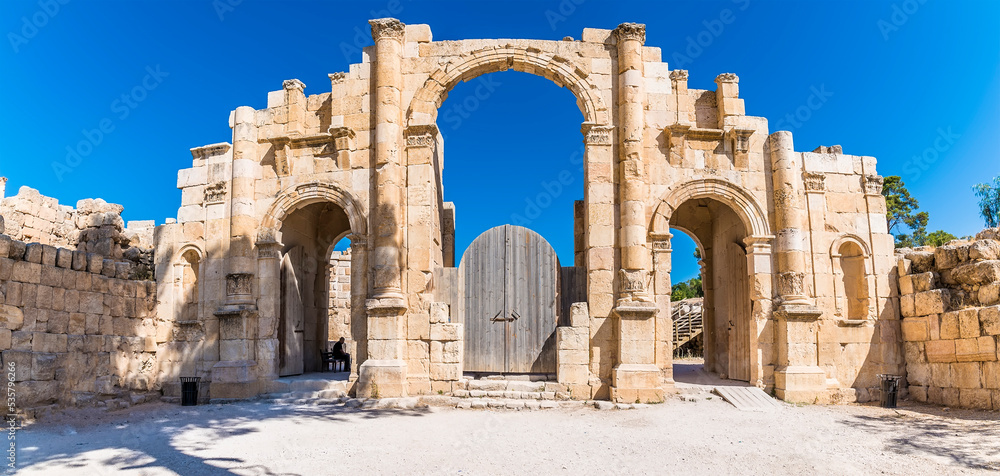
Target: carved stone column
662 289
234 376
268 306
798 377
384 373
636 376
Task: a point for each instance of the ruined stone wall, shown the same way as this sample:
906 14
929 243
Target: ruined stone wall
951 321
94 226
77 330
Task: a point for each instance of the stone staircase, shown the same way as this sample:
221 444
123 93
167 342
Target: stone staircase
304 390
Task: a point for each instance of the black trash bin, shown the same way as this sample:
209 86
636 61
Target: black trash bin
890 390
189 391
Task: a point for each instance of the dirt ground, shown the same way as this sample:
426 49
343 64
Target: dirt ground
705 436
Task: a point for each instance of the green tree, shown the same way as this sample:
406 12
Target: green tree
938 238
686 290
989 201
901 210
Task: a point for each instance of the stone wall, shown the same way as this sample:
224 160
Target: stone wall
76 329
340 295
94 226
951 321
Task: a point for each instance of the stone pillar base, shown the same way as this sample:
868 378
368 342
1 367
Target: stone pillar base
633 383
381 379
234 380
801 384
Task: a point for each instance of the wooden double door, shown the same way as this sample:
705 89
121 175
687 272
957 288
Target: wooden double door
511 279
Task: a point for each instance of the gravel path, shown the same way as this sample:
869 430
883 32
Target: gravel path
706 436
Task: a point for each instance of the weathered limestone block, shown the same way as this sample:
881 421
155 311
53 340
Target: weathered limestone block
572 338
940 351
446 332
978 273
921 261
989 293
967 375
915 329
11 317
950 256
984 250
579 315
968 323
43 366
440 313
975 398
931 302
990 319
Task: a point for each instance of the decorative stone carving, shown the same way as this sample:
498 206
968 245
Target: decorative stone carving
784 198
216 192
204 152
421 135
239 284
790 284
343 137
727 78
631 31
873 184
814 182
594 134
387 28
833 149
679 75
633 281
290 84
740 139
338 77
268 249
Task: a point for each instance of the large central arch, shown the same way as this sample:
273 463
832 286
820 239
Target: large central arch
426 101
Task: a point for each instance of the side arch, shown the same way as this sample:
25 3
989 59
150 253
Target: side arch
746 207
306 194
426 101
852 238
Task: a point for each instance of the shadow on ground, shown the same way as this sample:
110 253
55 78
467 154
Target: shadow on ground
964 437
168 437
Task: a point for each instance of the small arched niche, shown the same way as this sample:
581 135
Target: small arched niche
851 279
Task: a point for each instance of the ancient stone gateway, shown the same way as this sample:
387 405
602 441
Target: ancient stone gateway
797 258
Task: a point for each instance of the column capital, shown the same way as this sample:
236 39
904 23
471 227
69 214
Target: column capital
596 134
631 31
727 78
873 184
814 182
423 135
268 249
293 84
679 75
389 28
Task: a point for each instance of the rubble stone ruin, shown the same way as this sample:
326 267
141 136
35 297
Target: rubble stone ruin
245 286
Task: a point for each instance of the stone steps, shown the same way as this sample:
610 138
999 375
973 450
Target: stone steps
510 389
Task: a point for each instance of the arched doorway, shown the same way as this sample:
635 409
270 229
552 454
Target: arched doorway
726 318
312 255
734 238
306 235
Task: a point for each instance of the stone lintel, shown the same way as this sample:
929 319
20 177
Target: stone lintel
635 310
798 312
386 306
243 310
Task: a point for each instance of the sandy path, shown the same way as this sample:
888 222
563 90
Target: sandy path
701 437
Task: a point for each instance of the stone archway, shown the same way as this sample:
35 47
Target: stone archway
733 235
427 100
277 255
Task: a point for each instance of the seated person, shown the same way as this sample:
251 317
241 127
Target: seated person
340 353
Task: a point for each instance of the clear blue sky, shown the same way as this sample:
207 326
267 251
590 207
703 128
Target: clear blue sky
898 80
